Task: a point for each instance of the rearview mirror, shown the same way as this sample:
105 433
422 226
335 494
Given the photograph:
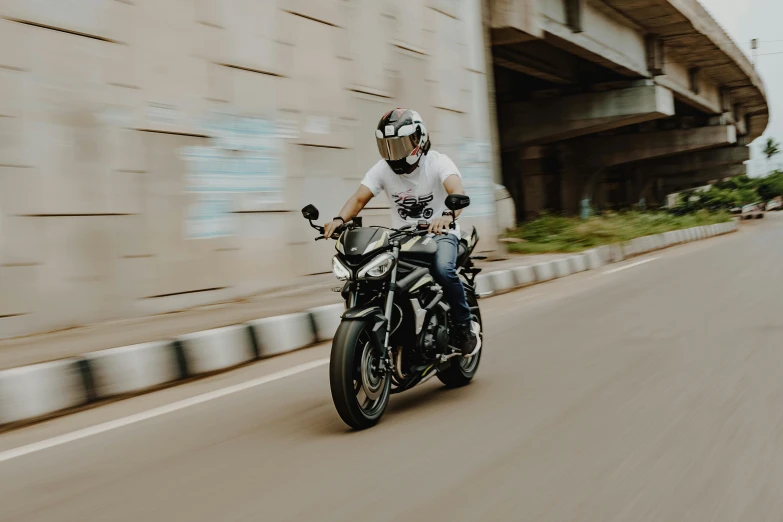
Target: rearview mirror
310 212
457 201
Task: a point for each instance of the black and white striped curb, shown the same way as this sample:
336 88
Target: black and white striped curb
40 390
506 280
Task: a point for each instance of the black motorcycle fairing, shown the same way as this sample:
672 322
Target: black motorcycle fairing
357 244
418 248
374 316
474 237
361 312
415 277
424 255
467 242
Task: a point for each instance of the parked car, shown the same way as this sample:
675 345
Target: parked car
752 211
774 204
736 210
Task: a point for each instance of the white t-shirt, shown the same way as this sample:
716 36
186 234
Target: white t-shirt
415 196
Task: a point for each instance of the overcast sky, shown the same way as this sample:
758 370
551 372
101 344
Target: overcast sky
761 19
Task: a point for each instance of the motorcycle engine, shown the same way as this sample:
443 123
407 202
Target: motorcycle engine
443 339
436 339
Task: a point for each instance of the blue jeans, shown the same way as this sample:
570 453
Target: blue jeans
445 273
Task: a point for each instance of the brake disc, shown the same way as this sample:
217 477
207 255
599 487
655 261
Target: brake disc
372 375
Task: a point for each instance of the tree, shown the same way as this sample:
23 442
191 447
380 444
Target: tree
771 148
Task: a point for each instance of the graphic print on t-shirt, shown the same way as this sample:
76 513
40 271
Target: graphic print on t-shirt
411 206
420 195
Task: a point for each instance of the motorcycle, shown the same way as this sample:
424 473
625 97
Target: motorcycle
394 333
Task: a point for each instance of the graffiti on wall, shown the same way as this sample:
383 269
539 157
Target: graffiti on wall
244 156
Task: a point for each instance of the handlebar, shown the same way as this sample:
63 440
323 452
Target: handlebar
335 234
406 229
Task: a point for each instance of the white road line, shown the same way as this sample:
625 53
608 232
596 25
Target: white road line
155 412
643 261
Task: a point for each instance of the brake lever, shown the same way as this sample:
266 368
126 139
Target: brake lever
333 236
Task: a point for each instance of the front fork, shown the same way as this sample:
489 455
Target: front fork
390 306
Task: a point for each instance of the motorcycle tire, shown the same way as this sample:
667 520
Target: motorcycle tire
349 347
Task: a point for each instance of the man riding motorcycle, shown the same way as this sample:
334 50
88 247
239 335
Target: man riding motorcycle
417 180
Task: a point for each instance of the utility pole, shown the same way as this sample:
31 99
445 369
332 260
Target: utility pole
754 45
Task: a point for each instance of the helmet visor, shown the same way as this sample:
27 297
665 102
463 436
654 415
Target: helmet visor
397 148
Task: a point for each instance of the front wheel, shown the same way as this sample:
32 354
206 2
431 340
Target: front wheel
360 386
460 371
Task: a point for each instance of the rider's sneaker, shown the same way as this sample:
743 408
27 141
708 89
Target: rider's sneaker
467 338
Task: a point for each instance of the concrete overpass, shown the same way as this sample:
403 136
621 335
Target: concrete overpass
598 101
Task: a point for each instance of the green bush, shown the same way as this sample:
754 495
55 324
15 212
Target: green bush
735 192
564 234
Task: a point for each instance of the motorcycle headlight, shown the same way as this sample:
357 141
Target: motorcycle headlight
378 267
340 272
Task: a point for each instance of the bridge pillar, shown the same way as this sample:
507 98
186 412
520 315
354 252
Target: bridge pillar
531 175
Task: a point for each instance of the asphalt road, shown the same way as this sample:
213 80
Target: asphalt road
652 393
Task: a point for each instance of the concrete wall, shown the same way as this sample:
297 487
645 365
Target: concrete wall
155 155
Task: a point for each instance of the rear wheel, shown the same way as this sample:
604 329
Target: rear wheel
360 387
460 370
